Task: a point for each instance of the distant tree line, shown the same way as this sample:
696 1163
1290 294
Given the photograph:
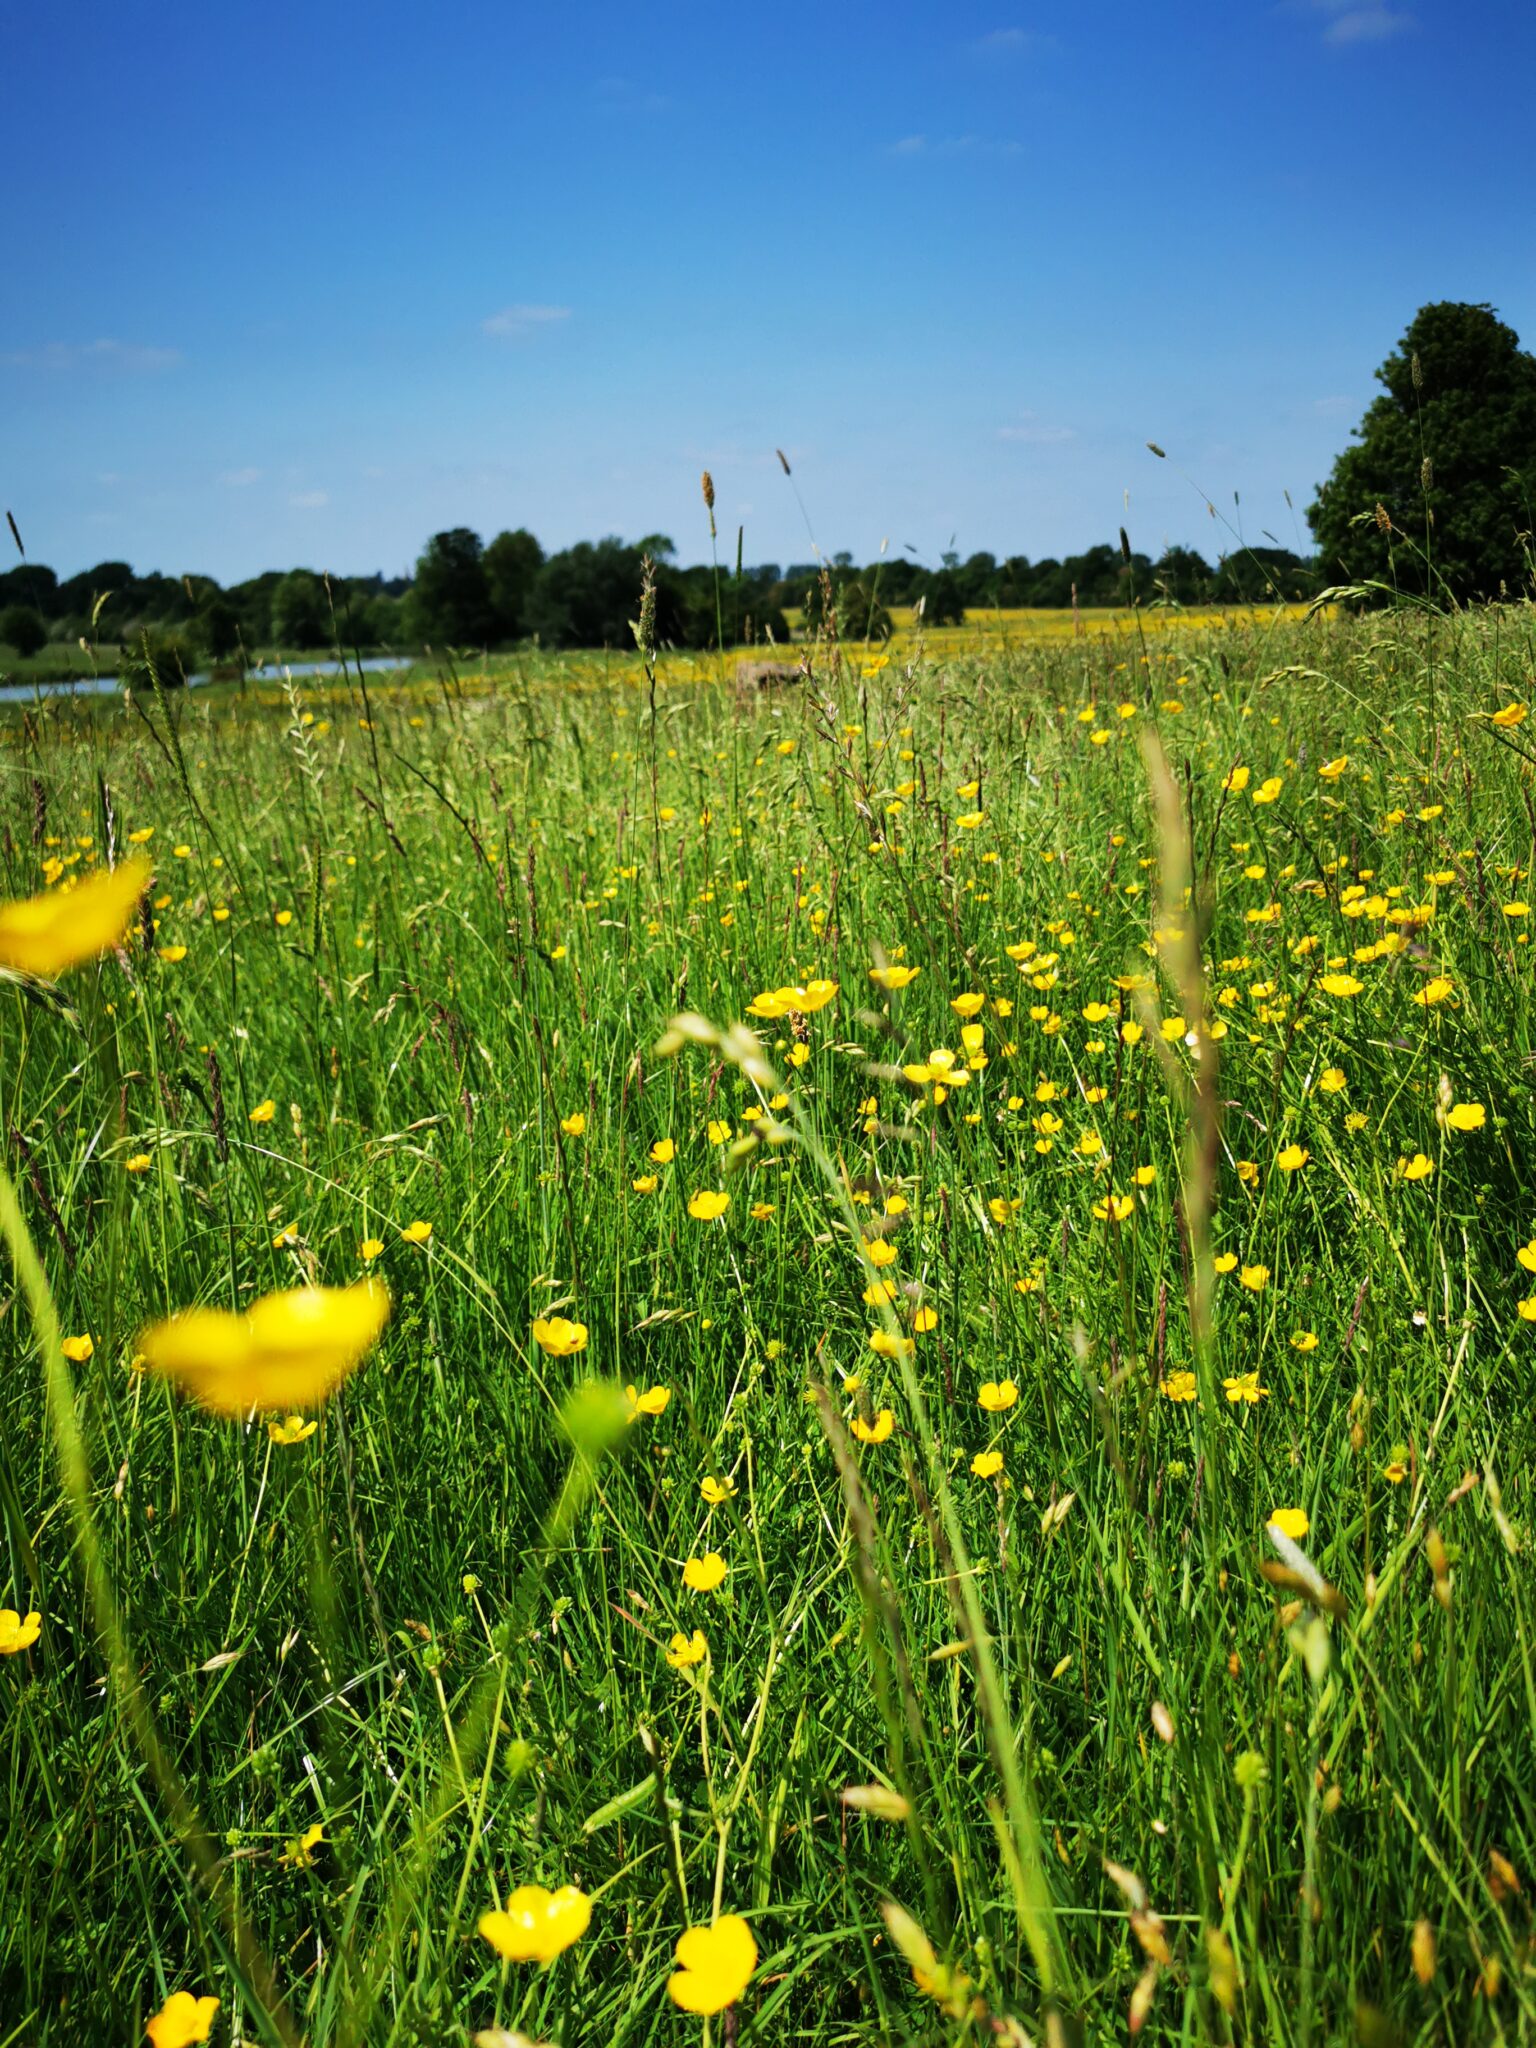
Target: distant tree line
469 594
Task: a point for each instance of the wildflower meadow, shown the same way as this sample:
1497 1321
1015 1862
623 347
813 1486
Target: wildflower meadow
837 1363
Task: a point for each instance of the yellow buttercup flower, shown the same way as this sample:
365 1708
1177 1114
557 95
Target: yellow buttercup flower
300 1852
559 1337
1509 715
289 1351
645 1184
264 1112
1290 1522
874 1432
1243 1388
536 1925
1466 1116
78 1349
714 1965
652 1402
663 1152
18 1632
1419 1167
1340 985
1254 1278
717 1491
294 1431
704 1574
1179 1386
890 978
1292 1158
707 1204
417 1232
47 935
369 1249
574 1125
182 2021
987 1464
997 1395
685 1650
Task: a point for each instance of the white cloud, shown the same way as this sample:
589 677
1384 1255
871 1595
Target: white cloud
239 479
1366 25
106 355
309 501
513 321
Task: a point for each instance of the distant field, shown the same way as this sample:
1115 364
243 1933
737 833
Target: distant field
983 631
1018 1410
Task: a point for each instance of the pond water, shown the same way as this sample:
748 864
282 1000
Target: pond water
269 672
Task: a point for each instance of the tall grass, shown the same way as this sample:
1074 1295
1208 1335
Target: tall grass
1137 1759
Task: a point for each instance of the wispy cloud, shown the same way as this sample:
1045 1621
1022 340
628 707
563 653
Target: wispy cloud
1036 432
1012 42
954 145
309 501
1348 23
104 355
513 321
1366 25
624 95
240 479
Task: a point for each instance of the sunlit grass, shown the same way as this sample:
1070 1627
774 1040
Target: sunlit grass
967 1328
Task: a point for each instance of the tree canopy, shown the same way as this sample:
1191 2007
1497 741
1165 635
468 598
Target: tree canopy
1434 495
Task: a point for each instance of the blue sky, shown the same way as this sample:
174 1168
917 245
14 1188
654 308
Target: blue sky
304 283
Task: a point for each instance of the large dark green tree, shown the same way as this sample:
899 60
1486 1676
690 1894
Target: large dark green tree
512 564
1435 494
451 600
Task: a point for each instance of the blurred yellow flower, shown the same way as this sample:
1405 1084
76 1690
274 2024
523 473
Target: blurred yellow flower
78 1349
890 978
685 1650
663 1152
294 1431
289 1351
717 1491
652 1402
182 2021
714 1965
264 1112
417 1232
1419 1167
1179 1386
707 1204
536 1925
47 935
573 1125
369 1249
1290 1522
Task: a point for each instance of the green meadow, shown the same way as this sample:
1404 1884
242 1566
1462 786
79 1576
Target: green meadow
958 1378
